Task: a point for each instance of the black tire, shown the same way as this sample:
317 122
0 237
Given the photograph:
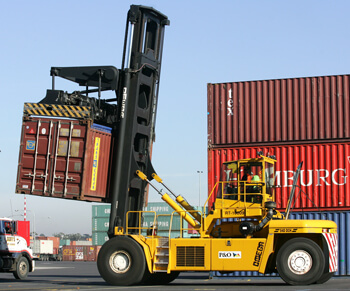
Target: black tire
121 262
324 278
300 261
161 278
22 268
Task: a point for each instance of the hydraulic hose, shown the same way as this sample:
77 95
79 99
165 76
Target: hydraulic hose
248 228
266 219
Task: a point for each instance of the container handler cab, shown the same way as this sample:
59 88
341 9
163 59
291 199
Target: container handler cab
242 231
15 254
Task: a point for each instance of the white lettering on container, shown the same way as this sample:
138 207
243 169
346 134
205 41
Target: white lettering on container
319 177
230 103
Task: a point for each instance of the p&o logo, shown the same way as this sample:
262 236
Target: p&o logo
230 255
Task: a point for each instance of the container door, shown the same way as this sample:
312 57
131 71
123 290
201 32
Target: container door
34 161
67 159
51 158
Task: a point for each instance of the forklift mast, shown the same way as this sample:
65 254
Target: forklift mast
131 114
138 100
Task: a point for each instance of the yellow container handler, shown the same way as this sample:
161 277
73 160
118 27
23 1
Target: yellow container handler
242 231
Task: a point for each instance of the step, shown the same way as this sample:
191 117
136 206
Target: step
162 247
162 254
161 263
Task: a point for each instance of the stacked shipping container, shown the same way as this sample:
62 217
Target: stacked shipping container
323 177
298 119
100 221
80 253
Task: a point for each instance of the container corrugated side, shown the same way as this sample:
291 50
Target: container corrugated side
283 110
64 242
79 253
99 238
341 218
43 247
164 222
101 210
324 175
159 207
100 224
63 158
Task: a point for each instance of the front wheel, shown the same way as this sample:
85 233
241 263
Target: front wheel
121 261
22 268
300 261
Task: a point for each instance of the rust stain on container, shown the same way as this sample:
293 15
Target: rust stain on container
282 110
64 158
324 176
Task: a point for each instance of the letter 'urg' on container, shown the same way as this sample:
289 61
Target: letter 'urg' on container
324 176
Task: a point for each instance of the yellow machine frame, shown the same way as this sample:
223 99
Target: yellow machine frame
237 234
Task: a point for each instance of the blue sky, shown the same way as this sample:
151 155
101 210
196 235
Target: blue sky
206 42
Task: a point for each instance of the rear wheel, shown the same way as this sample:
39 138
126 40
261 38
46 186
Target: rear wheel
22 268
121 261
324 278
300 261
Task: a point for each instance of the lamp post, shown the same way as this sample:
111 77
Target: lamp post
199 196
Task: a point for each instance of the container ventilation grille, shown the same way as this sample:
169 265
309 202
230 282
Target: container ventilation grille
190 256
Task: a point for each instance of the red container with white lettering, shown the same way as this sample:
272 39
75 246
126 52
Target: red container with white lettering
289 111
324 175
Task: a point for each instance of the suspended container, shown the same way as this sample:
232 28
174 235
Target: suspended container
293 110
323 178
64 158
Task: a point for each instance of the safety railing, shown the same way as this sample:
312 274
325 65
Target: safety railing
185 229
241 194
139 228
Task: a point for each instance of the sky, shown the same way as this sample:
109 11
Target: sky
206 42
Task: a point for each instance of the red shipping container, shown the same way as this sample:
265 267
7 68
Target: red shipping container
324 175
64 158
293 110
79 253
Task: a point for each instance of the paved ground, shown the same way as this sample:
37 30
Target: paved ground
84 276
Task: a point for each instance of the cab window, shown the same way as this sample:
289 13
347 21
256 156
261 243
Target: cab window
270 178
6 227
229 175
251 172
